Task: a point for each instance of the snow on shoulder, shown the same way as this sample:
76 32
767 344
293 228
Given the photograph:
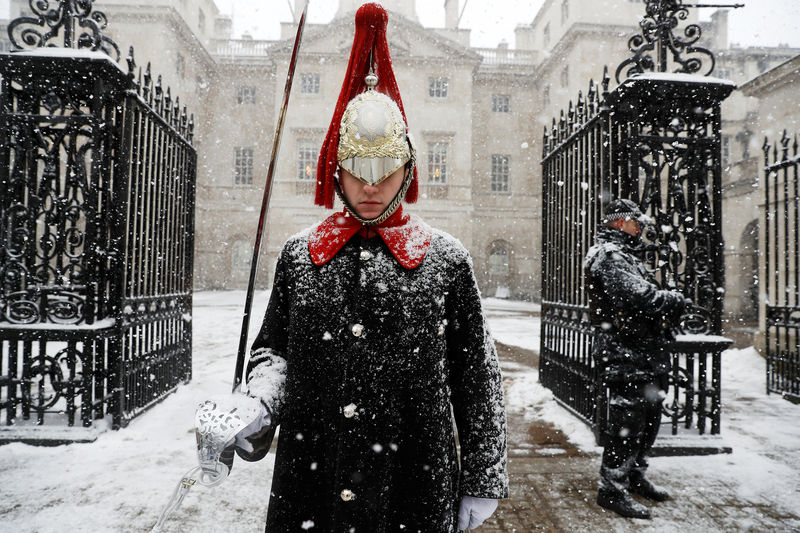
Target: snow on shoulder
450 246
408 242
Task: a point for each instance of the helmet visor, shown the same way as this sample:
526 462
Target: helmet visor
372 170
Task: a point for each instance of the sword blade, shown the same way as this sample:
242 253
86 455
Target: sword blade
262 219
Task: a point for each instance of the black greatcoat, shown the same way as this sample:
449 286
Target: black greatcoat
374 356
632 320
632 317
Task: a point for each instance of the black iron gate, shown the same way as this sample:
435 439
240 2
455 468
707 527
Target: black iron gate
576 169
654 139
97 178
782 273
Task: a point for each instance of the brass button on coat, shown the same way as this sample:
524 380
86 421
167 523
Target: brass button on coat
346 495
357 329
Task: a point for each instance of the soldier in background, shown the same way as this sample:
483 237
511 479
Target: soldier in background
632 320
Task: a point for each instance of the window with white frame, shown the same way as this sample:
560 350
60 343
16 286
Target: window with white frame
437 87
546 35
564 11
437 162
243 165
180 65
546 95
501 103
309 83
241 257
726 150
307 155
724 73
565 76
499 173
245 95
498 259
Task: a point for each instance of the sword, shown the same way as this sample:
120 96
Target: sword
248 302
214 461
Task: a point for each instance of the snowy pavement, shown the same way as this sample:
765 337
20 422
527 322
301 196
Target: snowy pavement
755 488
122 481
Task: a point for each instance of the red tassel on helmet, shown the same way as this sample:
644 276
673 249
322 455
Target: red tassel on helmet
370 36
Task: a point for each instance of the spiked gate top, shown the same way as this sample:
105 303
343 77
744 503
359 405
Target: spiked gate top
370 50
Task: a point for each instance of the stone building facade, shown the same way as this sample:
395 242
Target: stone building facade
575 39
777 96
742 135
477 116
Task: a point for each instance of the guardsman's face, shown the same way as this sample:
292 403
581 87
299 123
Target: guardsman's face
369 201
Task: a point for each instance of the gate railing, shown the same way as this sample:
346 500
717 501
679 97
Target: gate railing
576 168
97 188
782 273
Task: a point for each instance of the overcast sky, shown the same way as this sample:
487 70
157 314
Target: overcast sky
760 22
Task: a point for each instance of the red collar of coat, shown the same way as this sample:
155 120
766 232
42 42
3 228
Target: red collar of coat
407 236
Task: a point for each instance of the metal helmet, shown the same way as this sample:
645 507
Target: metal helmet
372 137
373 140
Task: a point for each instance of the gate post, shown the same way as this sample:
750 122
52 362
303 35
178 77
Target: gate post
669 162
96 196
58 262
662 149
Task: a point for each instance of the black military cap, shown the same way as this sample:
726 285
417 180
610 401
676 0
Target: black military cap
622 208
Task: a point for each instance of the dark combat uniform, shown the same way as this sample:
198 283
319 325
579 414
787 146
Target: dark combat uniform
632 320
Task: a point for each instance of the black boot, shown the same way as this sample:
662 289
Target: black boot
619 501
643 487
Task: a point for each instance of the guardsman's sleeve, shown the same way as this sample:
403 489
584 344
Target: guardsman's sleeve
266 369
477 390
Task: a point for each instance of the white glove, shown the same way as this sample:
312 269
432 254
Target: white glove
473 511
220 421
261 421
217 423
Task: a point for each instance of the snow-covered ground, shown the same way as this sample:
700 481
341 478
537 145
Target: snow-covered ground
122 481
762 430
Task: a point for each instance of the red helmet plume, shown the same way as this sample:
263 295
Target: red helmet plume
369 40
